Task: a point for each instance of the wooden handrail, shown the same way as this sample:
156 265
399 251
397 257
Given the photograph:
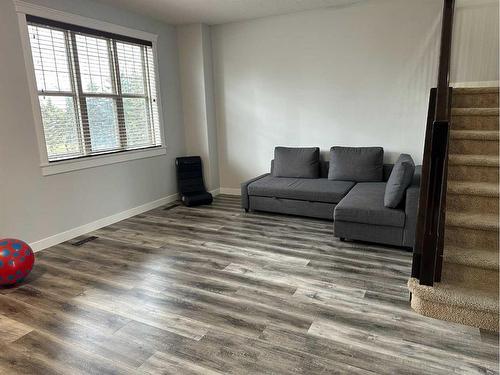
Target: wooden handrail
428 251
442 96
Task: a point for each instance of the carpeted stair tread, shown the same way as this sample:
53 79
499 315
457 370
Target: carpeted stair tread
484 189
475 90
477 258
474 160
473 299
479 135
472 221
474 111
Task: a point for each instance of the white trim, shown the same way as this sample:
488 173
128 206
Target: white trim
99 160
57 15
215 192
230 191
90 227
30 72
47 169
476 84
158 93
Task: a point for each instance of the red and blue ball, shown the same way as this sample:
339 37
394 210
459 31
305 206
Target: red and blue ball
16 261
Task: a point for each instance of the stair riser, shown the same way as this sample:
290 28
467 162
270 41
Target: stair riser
475 101
472 203
471 238
478 258
481 319
473 147
470 277
472 173
474 123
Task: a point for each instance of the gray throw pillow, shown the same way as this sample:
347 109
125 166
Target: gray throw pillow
300 162
399 180
359 164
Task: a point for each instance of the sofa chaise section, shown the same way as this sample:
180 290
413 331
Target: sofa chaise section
362 215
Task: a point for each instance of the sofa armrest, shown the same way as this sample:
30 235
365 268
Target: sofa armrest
244 190
411 208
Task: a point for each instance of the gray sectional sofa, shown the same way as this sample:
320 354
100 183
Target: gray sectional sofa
358 208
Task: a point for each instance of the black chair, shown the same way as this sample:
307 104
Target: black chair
190 181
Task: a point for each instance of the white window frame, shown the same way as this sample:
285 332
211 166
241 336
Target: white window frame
51 168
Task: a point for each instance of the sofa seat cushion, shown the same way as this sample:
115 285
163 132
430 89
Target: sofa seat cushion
314 190
365 204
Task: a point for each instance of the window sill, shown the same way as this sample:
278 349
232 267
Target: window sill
97 161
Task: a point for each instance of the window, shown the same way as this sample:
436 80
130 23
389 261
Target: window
96 90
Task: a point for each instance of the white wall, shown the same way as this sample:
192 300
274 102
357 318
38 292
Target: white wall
33 207
357 76
196 77
475 52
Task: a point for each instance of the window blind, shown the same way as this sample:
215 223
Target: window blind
96 90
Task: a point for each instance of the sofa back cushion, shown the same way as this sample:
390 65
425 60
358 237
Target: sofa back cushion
359 164
399 180
298 162
325 166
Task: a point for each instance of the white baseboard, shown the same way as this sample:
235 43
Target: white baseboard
215 192
86 228
475 84
230 191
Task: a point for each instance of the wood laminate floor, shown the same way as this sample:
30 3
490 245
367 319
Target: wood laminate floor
214 290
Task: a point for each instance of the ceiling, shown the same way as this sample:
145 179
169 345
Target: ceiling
214 12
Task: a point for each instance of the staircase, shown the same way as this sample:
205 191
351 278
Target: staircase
468 291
